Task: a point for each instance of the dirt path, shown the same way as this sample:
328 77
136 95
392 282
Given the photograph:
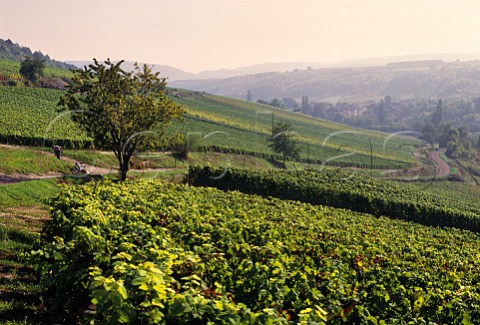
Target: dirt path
442 167
92 170
15 178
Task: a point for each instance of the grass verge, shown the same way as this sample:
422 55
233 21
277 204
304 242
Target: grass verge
18 160
22 213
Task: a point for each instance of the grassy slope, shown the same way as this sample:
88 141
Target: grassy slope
16 160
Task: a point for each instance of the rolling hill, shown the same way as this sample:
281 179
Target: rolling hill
214 123
153 251
401 80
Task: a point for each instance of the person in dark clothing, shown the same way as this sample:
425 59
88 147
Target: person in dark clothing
57 150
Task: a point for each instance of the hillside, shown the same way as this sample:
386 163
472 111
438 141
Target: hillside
246 126
165 71
402 80
15 52
321 246
212 123
177 74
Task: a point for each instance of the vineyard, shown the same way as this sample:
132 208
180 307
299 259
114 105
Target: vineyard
149 253
28 116
344 189
246 126
313 244
11 68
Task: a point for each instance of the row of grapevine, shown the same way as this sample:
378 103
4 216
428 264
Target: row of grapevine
153 253
343 189
11 76
363 162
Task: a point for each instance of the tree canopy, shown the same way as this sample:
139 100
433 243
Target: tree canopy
283 142
120 110
32 69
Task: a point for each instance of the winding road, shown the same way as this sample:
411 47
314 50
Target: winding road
442 167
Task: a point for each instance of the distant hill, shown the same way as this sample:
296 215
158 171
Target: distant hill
402 80
14 52
165 70
256 69
177 74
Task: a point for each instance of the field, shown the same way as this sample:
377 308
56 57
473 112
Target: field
343 189
178 254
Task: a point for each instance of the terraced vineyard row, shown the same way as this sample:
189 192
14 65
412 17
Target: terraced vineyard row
343 189
149 252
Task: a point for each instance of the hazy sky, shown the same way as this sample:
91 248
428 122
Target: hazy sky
196 35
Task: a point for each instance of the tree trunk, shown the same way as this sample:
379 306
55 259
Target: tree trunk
123 162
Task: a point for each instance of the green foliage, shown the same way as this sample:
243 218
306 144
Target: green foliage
27 193
119 109
282 141
457 143
28 117
24 161
32 69
245 128
343 189
9 72
150 253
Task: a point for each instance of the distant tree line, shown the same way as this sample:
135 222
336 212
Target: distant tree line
447 128
455 140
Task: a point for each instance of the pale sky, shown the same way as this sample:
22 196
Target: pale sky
195 35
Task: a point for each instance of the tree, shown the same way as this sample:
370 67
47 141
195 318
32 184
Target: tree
382 114
277 103
429 133
32 69
120 110
290 103
437 116
282 141
305 106
249 95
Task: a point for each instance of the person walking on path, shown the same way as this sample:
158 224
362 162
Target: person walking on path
57 150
